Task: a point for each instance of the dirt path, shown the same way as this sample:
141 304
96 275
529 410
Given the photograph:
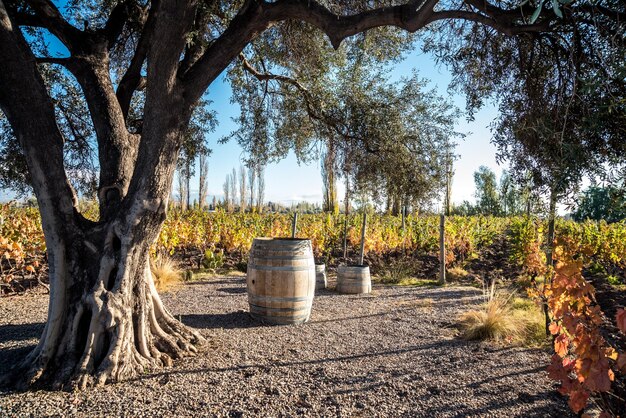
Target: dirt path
392 353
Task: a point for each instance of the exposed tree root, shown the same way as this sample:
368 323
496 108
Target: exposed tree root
110 335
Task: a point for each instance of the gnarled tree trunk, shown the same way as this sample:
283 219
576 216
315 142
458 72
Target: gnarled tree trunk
106 321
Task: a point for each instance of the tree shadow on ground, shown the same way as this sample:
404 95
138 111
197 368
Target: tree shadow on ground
230 320
441 345
226 281
20 332
8 358
497 406
236 290
394 312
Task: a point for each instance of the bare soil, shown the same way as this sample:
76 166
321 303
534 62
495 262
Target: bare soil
391 353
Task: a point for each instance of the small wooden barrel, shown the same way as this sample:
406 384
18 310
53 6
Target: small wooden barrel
281 280
353 279
320 276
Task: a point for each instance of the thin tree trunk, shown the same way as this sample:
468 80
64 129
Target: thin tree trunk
260 188
188 185
551 222
202 174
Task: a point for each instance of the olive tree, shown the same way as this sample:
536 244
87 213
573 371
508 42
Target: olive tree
106 321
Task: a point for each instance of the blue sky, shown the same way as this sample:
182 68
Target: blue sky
288 182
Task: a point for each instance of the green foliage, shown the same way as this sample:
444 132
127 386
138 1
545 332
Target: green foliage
614 280
596 203
213 260
505 198
526 238
487 199
388 140
561 99
232 234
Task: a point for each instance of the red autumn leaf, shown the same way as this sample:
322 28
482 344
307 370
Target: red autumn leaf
569 269
583 368
600 376
561 345
621 320
578 399
556 371
621 362
568 364
554 328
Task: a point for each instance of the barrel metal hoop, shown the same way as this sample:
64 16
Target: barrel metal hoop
279 268
278 257
257 308
283 320
257 299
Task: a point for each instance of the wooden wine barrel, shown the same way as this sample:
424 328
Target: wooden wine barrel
353 279
320 276
281 280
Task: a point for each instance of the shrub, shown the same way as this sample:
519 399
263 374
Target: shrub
213 260
398 272
504 317
532 321
456 273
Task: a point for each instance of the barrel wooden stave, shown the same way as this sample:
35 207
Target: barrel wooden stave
281 280
320 276
354 279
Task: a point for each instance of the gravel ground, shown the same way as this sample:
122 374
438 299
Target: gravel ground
391 353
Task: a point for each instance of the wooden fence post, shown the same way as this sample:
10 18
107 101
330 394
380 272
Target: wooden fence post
363 239
345 237
442 250
294 225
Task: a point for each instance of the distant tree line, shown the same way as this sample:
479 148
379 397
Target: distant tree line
503 197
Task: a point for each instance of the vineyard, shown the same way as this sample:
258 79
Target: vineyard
583 293
189 235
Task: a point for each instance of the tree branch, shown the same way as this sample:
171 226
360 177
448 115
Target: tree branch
117 19
256 16
132 79
51 60
245 26
25 101
329 122
52 20
501 25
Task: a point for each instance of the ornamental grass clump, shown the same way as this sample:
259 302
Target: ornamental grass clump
494 321
165 273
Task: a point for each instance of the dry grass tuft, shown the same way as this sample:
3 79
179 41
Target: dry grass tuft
527 313
503 317
494 321
456 273
416 303
397 272
165 273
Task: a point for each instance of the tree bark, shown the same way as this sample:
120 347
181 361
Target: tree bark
551 225
117 148
203 169
106 321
